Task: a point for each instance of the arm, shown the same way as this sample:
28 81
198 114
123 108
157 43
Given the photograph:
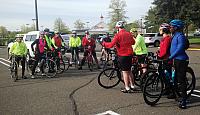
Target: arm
79 41
34 44
25 50
53 42
12 48
112 43
179 48
70 42
137 42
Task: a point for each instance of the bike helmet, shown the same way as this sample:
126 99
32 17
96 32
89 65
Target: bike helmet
120 24
56 32
133 30
165 25
86 32
177 23
46 30
73 32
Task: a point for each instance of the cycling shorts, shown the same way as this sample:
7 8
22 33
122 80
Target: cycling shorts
125 63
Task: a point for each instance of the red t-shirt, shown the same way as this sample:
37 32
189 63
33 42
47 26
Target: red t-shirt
123 42
165 44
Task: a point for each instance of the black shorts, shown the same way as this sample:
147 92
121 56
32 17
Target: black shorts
141 58
125 62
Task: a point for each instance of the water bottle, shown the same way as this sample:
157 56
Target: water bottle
167 74
173 74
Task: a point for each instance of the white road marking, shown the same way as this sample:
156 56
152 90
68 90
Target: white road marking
6 63
195 95
197 91
108 113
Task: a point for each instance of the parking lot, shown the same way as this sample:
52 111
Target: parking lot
76 92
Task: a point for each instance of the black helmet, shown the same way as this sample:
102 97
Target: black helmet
46 30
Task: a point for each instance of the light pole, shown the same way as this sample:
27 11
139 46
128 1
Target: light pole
34 23
87 25
141 24
36 15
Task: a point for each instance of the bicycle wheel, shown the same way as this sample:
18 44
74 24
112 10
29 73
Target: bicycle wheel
153 88
136 75
109 78
190 80
66 62
50 68
108 64
14 71
61 66
90 63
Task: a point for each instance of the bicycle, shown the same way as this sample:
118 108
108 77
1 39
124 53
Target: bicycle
59 61
48 65
14 68
154 85
65 59
75 61
89 58
110 62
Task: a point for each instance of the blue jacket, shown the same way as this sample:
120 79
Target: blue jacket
177 50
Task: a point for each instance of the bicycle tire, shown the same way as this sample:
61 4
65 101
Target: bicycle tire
109 74
66 61
14 71
90 63
50 68
61 67
153 88
108 64
191 81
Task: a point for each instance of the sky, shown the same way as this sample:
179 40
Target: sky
15 13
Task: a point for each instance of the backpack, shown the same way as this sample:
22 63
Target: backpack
187 44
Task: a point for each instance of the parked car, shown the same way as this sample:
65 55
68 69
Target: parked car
65 38
152 39
197 33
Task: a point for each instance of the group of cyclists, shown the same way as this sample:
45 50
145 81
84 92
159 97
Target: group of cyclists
172 49
127 44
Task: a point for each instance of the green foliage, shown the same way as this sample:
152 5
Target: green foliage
117 12
78 24
166 10
3 32
134 24
60 26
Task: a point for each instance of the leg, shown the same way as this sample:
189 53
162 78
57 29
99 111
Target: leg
23 66
72 52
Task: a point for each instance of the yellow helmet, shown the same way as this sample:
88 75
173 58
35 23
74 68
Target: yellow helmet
133 30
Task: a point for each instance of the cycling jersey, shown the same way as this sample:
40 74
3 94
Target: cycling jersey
140 47
18 48
57 41
86 42
123 42
74 42
40 45
164 50
48 40
177 50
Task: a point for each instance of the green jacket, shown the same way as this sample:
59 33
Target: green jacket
19 49
74 42
140 47
48 40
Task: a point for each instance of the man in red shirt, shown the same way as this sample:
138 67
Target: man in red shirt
88 42
123 41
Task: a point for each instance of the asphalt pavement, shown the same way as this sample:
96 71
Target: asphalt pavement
76 92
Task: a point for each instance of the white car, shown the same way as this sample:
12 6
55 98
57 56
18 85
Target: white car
29 38
152 39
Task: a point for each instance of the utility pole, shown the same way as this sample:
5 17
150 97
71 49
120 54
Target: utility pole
36 15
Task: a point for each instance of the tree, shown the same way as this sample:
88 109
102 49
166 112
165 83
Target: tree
78 24
117 12
134 24
3 32
60 26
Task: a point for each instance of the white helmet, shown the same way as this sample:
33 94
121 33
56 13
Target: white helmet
120 24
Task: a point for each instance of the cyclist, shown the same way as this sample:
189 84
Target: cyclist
41 45
105 51
140 49
164 53
57 44
123 41
74 44
87 41
180 58
19 50
48 39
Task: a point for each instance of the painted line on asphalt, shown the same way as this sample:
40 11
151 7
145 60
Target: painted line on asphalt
193 49
108 113
197 91
6 63
195 95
